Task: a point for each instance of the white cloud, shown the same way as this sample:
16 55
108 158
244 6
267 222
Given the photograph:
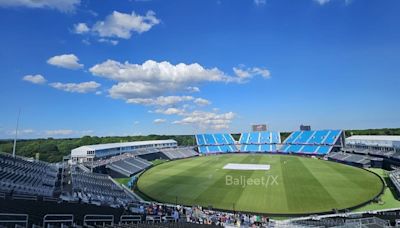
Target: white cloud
152 78
262 72
26 131
152 71
119 25
201 101
193 89
83 87
160 101
207 120
35 79
244 73
61 5
21 132
170 111
159 121
241 73
322 2
67 132
59 132
86 41
108 41
69 61
81 28
122 25
135 90
260 2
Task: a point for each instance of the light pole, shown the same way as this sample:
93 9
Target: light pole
16 134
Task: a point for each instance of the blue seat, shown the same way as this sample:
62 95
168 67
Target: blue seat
309 149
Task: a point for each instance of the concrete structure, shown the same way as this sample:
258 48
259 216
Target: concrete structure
305 127
259 127
374 142
93 152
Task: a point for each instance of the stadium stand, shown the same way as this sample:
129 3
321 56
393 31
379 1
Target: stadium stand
129 166
344 223
351 159
215 143
264 141
376 153
98 189
20 175
395 178
318 142
179 152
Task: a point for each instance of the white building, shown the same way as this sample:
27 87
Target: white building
374 142
93 152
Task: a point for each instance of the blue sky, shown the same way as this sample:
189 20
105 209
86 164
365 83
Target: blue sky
85 67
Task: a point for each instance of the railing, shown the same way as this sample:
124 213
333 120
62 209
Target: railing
58 219
153 219
102 220
14 220
24 197
129 219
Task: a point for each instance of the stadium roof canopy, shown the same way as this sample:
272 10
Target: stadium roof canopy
126 144
375 137
375 140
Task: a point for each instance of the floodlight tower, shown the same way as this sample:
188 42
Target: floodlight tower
16 134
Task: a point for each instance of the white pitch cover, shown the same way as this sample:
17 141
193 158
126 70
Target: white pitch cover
234 166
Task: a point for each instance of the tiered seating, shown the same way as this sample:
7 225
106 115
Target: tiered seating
129 166
311 142
357 159
27 177
395 178
265 141
98 189
180 152
215 143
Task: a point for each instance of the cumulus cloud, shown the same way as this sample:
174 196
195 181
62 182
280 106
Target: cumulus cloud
322 2
193 89
84 87
61 5
81 28
201 101
66 132
108 41
119 25
160 101
69 61
35 79
59 132
170 111
122 25
207 120
21 132
260 2
159 121
157 71
152 78
244 73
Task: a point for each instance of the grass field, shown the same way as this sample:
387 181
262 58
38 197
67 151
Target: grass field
293 185
387 200
123 180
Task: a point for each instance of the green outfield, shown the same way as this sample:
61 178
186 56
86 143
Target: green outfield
293 185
